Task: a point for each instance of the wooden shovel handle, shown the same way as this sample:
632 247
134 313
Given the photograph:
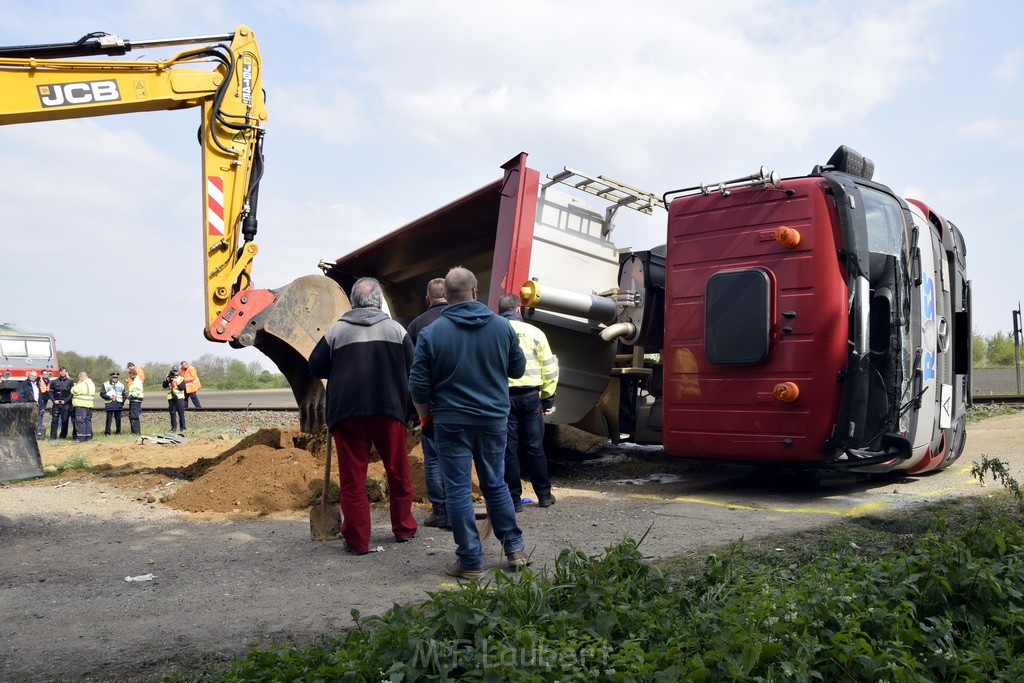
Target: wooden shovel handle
327 472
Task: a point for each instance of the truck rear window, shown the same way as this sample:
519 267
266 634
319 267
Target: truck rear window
736 325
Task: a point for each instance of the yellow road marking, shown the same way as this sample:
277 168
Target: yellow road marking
859 509
960 472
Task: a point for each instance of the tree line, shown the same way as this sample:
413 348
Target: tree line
215 372
994 350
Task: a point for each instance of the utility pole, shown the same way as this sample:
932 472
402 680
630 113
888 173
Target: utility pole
1016 344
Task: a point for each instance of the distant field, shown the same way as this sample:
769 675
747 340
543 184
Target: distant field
995 381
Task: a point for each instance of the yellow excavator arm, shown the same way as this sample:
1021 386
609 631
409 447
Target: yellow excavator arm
38 85
222 75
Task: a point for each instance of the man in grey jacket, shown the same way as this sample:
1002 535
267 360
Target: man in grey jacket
365 357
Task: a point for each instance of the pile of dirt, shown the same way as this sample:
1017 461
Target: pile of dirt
273 471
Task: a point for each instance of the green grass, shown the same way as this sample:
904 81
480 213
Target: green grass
979 413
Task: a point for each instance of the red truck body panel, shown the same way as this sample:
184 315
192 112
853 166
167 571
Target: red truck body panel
729 411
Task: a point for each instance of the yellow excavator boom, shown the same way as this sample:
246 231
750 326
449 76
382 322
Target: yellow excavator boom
221 75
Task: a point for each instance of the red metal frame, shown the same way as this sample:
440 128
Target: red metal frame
242 308
513 240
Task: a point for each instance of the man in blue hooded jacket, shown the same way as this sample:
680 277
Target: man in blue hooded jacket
459 385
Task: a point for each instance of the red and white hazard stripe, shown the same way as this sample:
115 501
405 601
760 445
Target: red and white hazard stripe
215 205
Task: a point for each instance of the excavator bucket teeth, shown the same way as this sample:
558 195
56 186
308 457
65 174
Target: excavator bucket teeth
19 450
288 329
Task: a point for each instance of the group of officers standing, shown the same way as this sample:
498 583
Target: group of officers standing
71 402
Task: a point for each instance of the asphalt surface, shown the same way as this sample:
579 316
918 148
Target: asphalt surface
263 399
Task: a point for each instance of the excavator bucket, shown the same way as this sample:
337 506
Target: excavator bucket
19 450
286 331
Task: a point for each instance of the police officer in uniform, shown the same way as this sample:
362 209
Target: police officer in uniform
113 401
60 394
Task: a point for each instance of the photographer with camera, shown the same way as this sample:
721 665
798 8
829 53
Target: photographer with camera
174 383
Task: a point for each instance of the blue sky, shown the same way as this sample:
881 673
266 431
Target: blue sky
383 110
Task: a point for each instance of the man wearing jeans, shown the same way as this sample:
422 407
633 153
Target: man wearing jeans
431 465
459 385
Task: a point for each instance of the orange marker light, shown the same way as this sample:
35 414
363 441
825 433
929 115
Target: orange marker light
787 237
529 293
787 392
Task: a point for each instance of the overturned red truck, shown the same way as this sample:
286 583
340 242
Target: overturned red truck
818 321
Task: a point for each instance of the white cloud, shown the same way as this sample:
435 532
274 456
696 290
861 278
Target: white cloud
465 79
330 115
328 231
1005 131
1009 66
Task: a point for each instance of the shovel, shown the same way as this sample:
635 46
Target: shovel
325 519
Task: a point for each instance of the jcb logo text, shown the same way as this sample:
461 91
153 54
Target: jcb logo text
86 92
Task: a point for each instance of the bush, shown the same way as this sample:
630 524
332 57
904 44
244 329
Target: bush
1000 350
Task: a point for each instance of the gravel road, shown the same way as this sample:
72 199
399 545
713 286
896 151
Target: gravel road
215 587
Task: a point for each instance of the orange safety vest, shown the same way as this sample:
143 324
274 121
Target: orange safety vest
191 378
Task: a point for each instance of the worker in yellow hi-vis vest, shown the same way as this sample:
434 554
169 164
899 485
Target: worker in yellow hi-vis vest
531 396
83 393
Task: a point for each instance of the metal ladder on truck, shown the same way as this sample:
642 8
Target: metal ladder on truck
618 193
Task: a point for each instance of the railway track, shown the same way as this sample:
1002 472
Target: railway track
1003 399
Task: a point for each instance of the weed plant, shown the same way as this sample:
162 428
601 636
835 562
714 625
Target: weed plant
317 493
76 461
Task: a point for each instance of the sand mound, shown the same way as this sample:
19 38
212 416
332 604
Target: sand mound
274 470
